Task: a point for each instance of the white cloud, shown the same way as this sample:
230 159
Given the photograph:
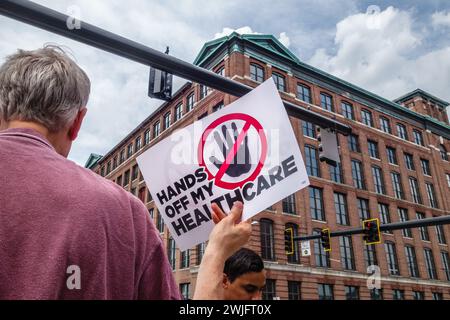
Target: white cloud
441 18
284 39
374 51
227 31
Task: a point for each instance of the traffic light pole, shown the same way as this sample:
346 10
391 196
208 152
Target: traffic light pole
56 22
384 227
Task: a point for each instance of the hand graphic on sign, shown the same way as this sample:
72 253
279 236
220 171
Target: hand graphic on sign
241 161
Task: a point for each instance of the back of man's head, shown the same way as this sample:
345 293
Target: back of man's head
43 86
243 261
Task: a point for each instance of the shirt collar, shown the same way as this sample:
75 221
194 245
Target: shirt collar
27 133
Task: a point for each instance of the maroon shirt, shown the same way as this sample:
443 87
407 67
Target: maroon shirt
55 214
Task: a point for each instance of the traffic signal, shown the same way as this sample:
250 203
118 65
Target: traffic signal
328 148
289 241
325 238
160 84
371 231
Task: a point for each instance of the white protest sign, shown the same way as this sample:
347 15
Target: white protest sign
306 248
246 151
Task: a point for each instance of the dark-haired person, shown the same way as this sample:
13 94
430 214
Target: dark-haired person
244 276
66 232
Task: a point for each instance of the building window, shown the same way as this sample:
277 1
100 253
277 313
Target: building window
122 156
256 73
293 290
409 161
431 195
437 296
401 131
200 252
385 125
160 223
366 117
108 169
294 258
397 185
370 256
418 295
446 264
398 294
184 290
134 172
326 102
392 155
141 194
119 180
378 180
309 129
151 212
425 167
336 173
357 174
221 71
126 178
289 204
448 179
304 93
411 261
424 235
373 149
129 150
376 294
184 259
347 258
203 91
279 81
440 234
443 151
146 137
403 216
149 196
312 161
391 256
167 120
363 208
325 291
115 162
351 293
178 112
340 204
269 291
156 129
418 139
190 102
415 193
267 239
347 110
322 257
383 209
316 204
218 107
137 144
171 252
429 262
353 143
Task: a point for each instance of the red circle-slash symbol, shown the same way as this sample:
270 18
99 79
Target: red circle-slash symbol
248 123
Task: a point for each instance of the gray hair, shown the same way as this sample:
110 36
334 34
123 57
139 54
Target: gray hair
43 86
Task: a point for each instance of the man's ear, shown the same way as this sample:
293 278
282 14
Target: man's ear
76 125
225 281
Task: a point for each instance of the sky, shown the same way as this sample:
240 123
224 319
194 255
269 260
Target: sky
387 47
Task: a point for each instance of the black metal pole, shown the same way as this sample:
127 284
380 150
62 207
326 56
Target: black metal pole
385 227
54 21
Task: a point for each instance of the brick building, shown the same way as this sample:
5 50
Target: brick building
394 166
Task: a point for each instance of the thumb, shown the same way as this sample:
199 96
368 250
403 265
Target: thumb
236 212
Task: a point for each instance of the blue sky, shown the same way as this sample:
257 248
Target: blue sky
387 47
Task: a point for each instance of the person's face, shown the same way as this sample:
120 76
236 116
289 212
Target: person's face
248 286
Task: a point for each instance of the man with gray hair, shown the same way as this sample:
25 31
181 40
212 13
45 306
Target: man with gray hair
66 232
